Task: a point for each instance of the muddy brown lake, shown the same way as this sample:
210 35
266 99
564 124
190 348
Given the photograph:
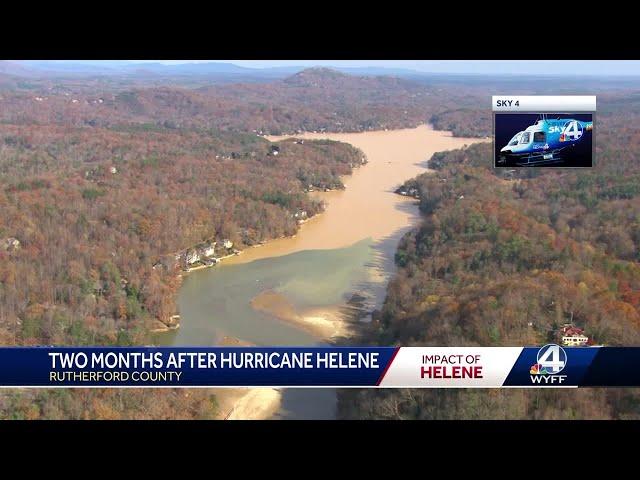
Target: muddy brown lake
300 290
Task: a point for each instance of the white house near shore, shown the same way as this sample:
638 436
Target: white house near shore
192 257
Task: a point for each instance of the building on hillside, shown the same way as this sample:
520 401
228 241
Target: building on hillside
208 249
10 244
573 336
192 257
226 243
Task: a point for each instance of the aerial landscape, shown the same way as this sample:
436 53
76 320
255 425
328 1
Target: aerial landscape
179 203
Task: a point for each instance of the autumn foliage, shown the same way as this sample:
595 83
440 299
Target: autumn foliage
505 259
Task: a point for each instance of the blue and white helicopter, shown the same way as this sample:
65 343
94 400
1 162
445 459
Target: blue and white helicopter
545 141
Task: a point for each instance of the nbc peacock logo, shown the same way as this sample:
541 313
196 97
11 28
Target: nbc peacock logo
537 369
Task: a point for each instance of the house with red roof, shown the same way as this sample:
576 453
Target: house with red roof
573 336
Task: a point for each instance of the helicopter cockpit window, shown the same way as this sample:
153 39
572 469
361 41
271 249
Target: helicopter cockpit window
525 138
538 137
515 140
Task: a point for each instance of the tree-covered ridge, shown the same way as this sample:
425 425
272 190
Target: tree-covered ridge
312 100
94 209
505 258
109 404
464 122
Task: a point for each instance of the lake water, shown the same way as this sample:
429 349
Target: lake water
347 250
215 303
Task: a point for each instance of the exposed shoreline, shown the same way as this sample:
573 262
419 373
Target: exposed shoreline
366 208
246 403
255 404
326 323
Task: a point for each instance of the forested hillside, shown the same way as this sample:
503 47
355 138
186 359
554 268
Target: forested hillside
94 209
503 258
88 213
316 99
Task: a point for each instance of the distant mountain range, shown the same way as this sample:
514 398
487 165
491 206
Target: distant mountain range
61 68
38 68
207 73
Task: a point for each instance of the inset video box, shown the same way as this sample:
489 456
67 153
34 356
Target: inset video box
543 131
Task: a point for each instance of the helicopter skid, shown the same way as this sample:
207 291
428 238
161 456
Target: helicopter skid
528 159
542 161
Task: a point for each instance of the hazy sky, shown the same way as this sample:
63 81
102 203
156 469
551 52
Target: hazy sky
540 67
496 67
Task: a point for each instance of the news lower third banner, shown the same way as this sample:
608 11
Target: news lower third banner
362 367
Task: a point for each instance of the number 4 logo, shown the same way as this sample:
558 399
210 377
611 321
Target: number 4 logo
572 130
552 358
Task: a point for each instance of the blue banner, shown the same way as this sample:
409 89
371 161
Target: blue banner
391 367
191 366
551 366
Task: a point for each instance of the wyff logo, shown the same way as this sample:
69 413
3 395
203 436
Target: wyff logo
551 360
